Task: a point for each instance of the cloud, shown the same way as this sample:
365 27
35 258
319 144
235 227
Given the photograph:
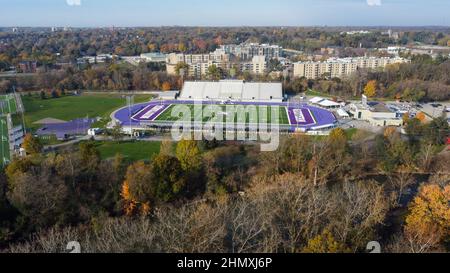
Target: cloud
373 3
73 2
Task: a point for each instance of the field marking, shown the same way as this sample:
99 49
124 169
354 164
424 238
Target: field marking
138 113
167 107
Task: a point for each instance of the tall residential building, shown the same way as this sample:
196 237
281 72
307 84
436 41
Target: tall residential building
200 63
339 68
246 51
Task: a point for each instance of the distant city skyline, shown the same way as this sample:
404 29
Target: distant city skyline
130 13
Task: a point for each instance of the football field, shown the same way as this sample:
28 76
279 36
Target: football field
251 114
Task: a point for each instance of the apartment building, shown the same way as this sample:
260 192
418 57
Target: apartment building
246 51
200 63
339 68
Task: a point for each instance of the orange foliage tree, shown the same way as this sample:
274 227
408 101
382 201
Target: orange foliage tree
421 116
166 86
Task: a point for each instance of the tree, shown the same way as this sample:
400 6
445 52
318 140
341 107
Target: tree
41 198
371 89
181 66
166 86
214 72
428 222
31 145
136 189
167 181
116 132
421 117
337 134
188 153
325 243
90 156
437 130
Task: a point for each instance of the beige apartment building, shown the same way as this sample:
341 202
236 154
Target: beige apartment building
339 68
200 63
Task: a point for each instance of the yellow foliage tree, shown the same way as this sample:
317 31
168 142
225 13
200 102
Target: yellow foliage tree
428 222
135 189
325 243
31 145
129 203
371 89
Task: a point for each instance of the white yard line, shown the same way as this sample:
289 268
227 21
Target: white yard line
167 107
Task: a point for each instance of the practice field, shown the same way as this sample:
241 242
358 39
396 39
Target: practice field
161 113
131 150
7 104
5 155
71 107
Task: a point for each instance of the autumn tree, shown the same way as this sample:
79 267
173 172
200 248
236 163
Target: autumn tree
428 222
167 181
32 145
325 243
166 86
136 189
188 153
90 156
371 89
421 117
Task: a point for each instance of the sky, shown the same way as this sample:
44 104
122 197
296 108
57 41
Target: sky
129 13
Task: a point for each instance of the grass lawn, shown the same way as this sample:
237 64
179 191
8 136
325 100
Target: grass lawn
71 107
283 118
130 150
317 94
350 133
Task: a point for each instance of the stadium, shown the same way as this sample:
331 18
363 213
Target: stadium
229 97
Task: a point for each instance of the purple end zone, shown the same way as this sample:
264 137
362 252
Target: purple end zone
140 116
293 119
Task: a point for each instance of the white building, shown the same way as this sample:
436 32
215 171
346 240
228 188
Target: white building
246 51
154 57
376 113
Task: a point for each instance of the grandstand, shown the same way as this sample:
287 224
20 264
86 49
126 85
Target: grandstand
232 90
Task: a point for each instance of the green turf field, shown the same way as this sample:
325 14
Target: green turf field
7 104
4 155
132 151
283 118
71 107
